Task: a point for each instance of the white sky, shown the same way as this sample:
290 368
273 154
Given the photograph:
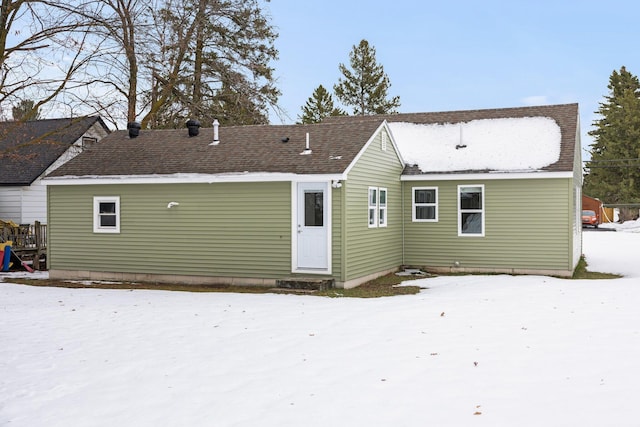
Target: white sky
467 350
509 144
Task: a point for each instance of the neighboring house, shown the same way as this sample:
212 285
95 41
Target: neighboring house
31 149
335 200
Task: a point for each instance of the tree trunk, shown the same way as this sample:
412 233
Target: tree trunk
197 71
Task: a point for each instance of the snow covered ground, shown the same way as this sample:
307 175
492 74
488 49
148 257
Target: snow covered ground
467 351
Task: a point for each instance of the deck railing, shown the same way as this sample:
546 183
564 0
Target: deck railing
29 241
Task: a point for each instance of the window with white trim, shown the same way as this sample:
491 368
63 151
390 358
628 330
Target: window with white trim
424 202
377 207
106 214
471 210
373 206
382 207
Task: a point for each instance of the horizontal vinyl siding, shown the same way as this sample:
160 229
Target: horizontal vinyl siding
34 203
227 230
10 204
526 227
371 250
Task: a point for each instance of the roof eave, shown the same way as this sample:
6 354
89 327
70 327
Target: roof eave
190 178
493 175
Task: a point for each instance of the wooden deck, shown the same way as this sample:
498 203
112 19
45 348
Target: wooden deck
29 241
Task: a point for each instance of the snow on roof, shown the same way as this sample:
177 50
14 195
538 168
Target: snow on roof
505 144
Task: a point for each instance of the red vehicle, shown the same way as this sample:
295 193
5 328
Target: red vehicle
589 218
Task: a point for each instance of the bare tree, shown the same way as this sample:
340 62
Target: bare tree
118 27
156 61
43 45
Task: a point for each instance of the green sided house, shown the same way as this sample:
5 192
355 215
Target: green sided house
234 205
495 191
345 200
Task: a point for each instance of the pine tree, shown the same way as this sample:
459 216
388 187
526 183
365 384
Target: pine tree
26 109
365 86
614 169
318 106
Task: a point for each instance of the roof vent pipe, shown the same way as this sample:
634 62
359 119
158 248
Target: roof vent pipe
307 150
194 127
216 125
134 129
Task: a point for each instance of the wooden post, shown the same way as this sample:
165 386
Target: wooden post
38 236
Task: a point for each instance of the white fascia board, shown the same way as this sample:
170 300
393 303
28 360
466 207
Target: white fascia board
189 178
486 176
393 142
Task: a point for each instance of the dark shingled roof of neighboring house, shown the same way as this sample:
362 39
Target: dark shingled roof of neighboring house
251 149
565 115
28 148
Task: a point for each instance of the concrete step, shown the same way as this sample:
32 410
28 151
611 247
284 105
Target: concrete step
293 291
308 283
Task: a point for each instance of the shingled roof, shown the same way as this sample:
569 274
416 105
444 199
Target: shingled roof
28 148
565 115
250 149
260 149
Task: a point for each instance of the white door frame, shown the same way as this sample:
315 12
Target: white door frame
326 187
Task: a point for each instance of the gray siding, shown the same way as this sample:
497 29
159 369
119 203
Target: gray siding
24 205
11 204
235 229
372 250
527 226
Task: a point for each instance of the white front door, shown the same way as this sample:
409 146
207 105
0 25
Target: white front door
312 226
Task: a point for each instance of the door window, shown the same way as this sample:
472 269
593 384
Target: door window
313 209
